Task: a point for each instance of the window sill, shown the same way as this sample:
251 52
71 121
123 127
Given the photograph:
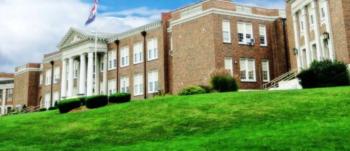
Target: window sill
248 81
136 63
152 59
227 42
263 46
138 95
124 66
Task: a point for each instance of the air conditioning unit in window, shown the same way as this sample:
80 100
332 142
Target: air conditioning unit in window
251 42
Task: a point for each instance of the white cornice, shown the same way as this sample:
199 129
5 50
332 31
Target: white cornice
27 70
222 12
136 31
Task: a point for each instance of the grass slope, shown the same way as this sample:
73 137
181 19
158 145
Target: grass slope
300 120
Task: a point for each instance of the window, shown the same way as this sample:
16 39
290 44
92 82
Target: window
226 31
76 69
153 82
48 77
138 84
138 53
124 55
323 11
314 52
311 19
1 91
111 87
263 37
247 70
9 94
265 70
301 25
56 76
124 84
56 98
229 64
245 33
40 80
152 49
112 60
47 100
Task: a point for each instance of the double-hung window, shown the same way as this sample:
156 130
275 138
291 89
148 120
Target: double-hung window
56 76
138 84
112 60
262 36
265 70
124 57
226 31
48 77
138 53
323 11
153 82
152 49
124 84
111 87
247 70
245 33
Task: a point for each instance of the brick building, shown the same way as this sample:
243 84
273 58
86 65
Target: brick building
181 49
318 30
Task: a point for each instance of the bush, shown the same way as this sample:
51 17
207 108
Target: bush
208 89
192 90
96 101
52 108
324 74
42 110
119 98
222 81
67 105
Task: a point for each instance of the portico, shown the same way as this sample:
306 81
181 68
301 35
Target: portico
84 61
312 32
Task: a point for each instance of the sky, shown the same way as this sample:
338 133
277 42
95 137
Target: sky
31 28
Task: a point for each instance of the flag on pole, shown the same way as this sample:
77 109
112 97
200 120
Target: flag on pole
93 13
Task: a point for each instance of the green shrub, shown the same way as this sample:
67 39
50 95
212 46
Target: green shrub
53 108
222 81
208 89
192 90
119 98
67 105
96 101
324 74
42 110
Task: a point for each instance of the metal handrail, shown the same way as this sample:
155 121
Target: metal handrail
286 76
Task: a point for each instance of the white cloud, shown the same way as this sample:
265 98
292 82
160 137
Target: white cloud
29 29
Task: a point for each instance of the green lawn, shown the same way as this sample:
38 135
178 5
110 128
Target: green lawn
315 119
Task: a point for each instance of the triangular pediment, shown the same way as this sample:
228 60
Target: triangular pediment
72 37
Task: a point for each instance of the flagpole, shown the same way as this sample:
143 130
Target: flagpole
96 79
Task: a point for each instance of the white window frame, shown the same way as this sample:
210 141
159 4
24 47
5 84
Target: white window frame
152 52
124 84
57 73
138 84
229 64
244 62
301 25
112 87
112 60
48 77
323 11
226 31
263 33
245 30
265 64
153 81
124 57
138 53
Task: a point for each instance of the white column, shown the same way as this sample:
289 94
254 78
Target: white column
329 30
3 101
306 36
105 62
97 75
296 39
82 76
317 29
64 79
90 74
70 77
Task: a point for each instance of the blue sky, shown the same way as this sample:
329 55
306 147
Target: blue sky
31 28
